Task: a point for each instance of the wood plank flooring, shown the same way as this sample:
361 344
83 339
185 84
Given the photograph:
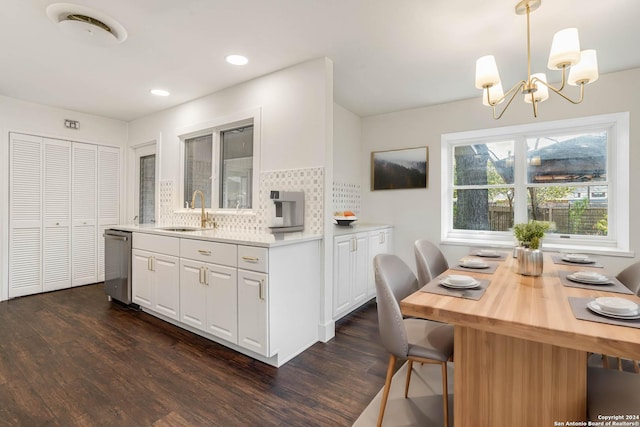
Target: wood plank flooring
72 358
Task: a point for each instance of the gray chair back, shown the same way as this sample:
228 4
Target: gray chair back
630 277
430 262
394 282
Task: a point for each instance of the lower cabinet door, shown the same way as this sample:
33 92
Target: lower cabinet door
222 302
193 293
167 285
141 278
253 311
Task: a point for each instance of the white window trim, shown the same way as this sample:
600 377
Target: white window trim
616 243
214 127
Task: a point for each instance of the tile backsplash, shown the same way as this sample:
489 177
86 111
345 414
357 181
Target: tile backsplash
310 180
346 196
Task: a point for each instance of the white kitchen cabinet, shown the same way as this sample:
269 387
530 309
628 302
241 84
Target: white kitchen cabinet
353 278
155 282
155 276
208 298
253 311
350 256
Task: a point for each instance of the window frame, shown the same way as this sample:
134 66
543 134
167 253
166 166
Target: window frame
617 240
215 127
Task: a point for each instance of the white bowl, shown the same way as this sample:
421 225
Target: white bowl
616 305
457 279
578 257
487 252
588 275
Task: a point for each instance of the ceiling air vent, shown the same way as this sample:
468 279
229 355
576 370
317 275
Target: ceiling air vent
86 24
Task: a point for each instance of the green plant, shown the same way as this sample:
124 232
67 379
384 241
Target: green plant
529 234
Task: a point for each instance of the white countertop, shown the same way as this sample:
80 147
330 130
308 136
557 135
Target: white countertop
357 227
217 235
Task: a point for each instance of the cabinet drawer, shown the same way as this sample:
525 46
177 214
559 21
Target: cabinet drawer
253 258
212 252
158 244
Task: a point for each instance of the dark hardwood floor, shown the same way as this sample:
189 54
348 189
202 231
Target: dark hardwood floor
72 358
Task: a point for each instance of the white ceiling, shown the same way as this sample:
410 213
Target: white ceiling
388 55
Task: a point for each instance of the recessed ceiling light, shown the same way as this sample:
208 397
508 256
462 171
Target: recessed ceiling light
236 59
159 92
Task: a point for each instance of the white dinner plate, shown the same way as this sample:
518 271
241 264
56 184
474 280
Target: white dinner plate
474 265
488 254
603 281
447 284
593 306
579 260
616 305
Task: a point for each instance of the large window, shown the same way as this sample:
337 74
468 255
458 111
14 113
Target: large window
220 158
571 173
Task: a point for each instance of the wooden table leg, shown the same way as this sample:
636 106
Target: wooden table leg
505 381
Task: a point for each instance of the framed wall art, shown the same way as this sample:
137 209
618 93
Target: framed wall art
395 169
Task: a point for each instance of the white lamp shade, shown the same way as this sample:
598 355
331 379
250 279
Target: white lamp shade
495 93
486 72
542 93
565 49
586 70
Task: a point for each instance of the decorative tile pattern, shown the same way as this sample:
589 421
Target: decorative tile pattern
311 181
346 196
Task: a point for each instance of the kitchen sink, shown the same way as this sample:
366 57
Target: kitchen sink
178 228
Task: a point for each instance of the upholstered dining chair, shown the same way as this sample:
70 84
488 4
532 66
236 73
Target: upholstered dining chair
612 392
416 340
430 262
630 277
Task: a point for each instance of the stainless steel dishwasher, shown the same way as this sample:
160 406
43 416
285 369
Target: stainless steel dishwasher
117 265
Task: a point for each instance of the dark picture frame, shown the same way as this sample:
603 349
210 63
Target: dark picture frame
398 169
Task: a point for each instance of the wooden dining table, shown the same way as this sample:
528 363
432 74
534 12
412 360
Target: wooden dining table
520 354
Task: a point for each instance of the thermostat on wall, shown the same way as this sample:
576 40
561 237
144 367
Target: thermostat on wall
71 124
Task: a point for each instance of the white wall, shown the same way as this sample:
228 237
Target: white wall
36 119
416 213
347 145
293 103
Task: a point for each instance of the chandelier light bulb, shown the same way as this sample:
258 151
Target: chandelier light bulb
542 92
486 72
495 93
586 70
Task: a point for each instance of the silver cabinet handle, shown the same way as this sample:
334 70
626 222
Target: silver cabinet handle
382 237
112 237
149 264
200 273
250 259
206 276
261 289
204 252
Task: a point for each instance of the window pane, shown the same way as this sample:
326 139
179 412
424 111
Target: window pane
572 158
237 168
483 209
578 210
482 164
197 168
147 197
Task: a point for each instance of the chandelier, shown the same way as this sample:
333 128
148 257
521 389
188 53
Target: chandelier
565 54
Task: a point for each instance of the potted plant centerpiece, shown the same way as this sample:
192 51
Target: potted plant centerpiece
529 236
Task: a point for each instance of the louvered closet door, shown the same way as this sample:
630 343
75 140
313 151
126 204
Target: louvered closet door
84 214
25 215
56 204
108 197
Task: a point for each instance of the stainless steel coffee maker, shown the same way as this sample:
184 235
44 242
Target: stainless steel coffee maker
286 214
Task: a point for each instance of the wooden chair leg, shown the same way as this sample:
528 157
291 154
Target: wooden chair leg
636 366
387 387
406 384
619 363
605 361
445 395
